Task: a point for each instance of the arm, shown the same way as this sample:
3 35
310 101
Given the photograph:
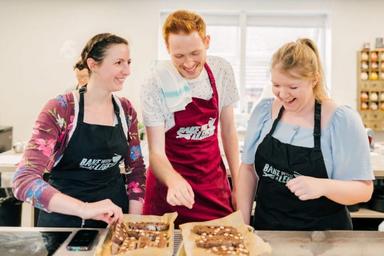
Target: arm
343 192
103 210
350 178
246 190
179 190
134 163
348 192
230 145
39 156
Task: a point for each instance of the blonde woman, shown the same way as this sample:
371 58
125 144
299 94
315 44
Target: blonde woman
305 157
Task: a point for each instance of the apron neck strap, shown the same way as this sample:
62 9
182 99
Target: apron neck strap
281 111
212 82
317 128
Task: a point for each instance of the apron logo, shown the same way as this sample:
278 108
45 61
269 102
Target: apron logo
278 175
197 132
100 164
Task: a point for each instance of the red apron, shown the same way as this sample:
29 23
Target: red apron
192 147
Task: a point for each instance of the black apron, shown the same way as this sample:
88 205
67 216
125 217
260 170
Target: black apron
89 169
277 208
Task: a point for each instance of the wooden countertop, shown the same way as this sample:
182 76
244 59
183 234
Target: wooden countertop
325 243
283 243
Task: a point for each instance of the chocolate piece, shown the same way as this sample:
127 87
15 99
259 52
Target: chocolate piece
214 230
217 241
220 240
119 234
153 226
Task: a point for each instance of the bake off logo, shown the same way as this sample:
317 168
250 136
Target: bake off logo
278 175
100 164
197 132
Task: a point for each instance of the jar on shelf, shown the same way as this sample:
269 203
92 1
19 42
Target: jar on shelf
373 56
373 76
382 96
373 106
364 96
373 96
364 65
374 65
364 76
364 56
364 106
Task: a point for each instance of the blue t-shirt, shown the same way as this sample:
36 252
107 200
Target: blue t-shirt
344 142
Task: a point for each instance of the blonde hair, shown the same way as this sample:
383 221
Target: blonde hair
301 60
183 21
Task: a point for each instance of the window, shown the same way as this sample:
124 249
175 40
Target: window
248 40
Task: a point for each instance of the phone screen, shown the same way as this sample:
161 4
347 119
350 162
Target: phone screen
82 240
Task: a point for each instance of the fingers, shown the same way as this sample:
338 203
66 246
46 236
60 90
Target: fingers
177 198
292 184
304 188
296 189
105 210
185 199
115 215
181 196
180 192
190 193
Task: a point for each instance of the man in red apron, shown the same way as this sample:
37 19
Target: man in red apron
186 172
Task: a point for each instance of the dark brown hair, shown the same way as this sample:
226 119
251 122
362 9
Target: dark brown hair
96 48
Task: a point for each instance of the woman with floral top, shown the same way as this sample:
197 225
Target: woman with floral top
80 139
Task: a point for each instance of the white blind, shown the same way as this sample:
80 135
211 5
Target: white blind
311 20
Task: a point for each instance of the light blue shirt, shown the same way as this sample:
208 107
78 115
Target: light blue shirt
344 142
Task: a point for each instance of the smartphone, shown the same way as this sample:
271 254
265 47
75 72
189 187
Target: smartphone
82 240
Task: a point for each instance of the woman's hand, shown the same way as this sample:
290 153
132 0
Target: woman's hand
306 188
104 210
180 192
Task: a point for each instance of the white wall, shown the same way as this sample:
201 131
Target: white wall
40 41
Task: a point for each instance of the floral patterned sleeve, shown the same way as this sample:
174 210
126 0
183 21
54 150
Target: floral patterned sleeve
134 163
40 155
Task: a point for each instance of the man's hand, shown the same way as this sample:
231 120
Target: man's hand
180 192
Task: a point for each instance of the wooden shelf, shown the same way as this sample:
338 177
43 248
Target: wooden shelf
367 213
370 88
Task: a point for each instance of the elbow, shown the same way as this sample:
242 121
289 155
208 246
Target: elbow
367 192
15 187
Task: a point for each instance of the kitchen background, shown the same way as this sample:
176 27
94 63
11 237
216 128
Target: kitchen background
40 41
